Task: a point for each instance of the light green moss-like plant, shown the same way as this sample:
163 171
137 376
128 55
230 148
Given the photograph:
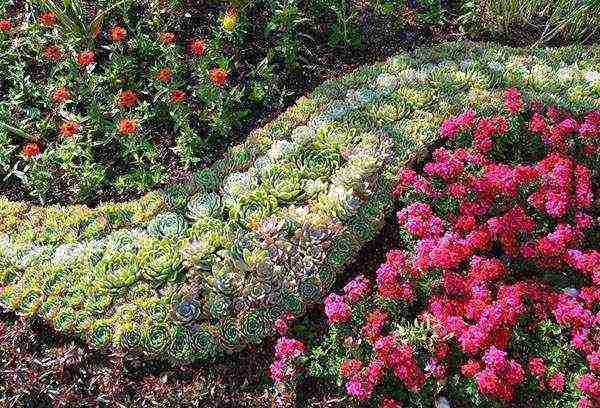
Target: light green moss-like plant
207 266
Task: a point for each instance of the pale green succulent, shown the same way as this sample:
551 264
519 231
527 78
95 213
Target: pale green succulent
204 205
167 225
252 207
282 181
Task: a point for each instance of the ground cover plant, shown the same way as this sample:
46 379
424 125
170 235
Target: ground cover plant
192 239
494 297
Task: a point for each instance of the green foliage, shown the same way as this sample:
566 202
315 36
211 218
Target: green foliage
539 21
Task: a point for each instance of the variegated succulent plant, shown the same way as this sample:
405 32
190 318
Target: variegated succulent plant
207 266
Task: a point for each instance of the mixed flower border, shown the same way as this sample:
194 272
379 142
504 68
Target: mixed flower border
210 265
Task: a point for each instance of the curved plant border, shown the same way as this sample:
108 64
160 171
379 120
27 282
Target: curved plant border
207 266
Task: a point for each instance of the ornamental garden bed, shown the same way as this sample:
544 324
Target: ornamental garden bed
487 155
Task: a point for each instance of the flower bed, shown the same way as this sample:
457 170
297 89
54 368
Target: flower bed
496 296
208 266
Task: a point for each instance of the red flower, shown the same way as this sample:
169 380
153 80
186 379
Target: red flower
48 18
128 126
167 38
85 58
177 95
218 76
31 149
52 52
117 33
69 128
127 99
5 25
164 75
197 46
349 368
61 94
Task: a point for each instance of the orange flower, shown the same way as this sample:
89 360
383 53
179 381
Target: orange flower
117 33
197 46
127 99
177 95
167 38
69 128
127 126
218 76
85 58
31 149
61 94
52 52
164 75
5 25
48 18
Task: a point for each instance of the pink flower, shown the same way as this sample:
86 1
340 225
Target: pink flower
277 371
358 389
557 382
356 288
537 366
288 348
336 310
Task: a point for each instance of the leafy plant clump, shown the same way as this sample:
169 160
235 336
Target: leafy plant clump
495 296
208 266
99 99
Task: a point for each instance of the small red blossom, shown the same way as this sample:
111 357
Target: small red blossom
61 94
52 52
167 38
127 126
197 46
164 74
117 33
5 25
85 58
48 18
127 99
218 76
177 95
69 128
31 150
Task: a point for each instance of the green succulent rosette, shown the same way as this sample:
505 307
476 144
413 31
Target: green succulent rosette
166 225
230 337
156 338
160 261
181 349
310 290
254 326
283 181
205 341
204 205
130 336
100 333
318 163
253 207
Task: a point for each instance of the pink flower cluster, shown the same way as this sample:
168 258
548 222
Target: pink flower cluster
336 308
286 350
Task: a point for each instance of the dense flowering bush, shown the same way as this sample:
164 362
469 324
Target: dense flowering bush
499 271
